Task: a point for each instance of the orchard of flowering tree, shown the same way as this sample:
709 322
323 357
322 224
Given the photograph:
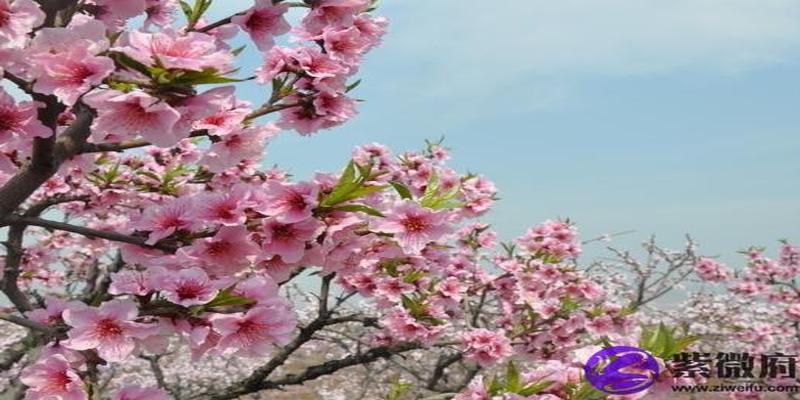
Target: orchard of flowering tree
149 255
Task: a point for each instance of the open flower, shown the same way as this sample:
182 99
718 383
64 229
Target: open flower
52 378
288 240
17 19
68 75
262 22
19 119
121 115
110 329
237 146
163 221
226 253
252 333
289 203
413 226
187 287
193 51
486 347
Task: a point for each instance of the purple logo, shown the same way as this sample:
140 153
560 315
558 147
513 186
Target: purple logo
621 370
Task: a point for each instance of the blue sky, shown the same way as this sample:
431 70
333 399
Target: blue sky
663 117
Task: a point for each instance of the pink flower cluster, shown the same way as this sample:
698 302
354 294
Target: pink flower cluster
340 33
711 270
554 238
486 347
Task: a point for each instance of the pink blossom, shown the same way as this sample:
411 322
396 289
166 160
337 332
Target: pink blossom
224 121
475 391
167 219
289 203
402 326
710 270
602 325
122 115
288 240
240 145
52 378
70 74
335 108
224 208
110 329
262 22
193 51
160 12
187 287
17 19
19 119
140 393
793 312
486 347
129 282
333 13
555 238
83 31
51 314
413 226
345 44
122 8
308 60
371 28
225 253
327 110
261 288
252 333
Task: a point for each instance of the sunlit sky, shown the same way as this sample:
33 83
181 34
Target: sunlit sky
663 117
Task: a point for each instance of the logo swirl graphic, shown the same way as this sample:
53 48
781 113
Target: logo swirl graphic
621 370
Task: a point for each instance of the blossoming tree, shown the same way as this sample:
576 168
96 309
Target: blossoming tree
140 226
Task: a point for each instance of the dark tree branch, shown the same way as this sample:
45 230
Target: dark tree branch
318 371
48 155
32 325
441 365
16 220
14 253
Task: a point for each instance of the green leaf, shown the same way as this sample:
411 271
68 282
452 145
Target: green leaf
352 86
359 208
586 392
207 76
414 276
238 50
402 190
350 186
659 341
432 188
684 342
535 388
187 10
513 380
363 191
398 390
226 298
496 387
128 62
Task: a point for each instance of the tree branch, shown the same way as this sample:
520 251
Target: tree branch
16 220
318 371
32 325
47 158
